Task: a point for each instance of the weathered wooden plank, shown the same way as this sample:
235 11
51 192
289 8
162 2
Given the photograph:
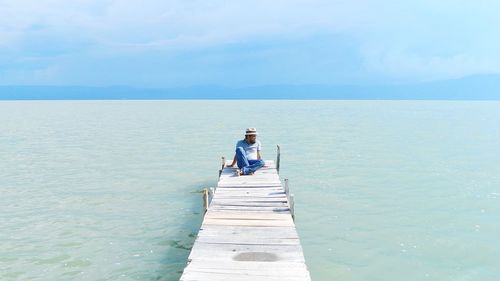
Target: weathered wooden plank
285 273
269 198
251 208
247 240
224 252
250 191
196 276
250 199
277 204
271 231
266 185
247 222
212 214
247 265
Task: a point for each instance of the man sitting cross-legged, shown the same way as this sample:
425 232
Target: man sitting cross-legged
248 154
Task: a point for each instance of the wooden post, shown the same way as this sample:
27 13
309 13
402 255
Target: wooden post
223 165
278 158
223 162
205 199
211 192
287 191
290 199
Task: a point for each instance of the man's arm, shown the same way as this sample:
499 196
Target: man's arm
259 148
234 161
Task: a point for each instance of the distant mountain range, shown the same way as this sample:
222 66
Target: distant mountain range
483 87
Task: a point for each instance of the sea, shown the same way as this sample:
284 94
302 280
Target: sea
384 190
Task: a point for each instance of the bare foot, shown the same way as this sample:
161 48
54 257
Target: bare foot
238 172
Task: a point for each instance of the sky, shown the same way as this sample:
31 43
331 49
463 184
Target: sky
165 43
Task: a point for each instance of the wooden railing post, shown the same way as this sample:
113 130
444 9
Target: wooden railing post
290 199
205 200
211 192
223 165
287 192
278 158
208 194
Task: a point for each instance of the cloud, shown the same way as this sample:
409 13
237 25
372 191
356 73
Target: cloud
154 24
432 41
198 41
404 66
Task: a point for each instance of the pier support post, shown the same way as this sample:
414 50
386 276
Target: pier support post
287 191
208 194
205 200
290 199
223 164
278 158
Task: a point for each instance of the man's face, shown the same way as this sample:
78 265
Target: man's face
251 138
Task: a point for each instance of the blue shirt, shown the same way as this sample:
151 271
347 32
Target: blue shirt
250 149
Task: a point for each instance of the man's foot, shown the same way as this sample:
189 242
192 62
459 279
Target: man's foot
239 172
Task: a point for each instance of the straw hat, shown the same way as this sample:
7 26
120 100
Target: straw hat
251 131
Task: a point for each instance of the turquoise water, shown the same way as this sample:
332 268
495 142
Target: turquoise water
385 190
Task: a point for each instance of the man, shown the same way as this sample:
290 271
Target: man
248 154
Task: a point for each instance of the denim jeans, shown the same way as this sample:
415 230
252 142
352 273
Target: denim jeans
247 166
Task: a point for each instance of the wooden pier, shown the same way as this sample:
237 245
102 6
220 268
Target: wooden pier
248 232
